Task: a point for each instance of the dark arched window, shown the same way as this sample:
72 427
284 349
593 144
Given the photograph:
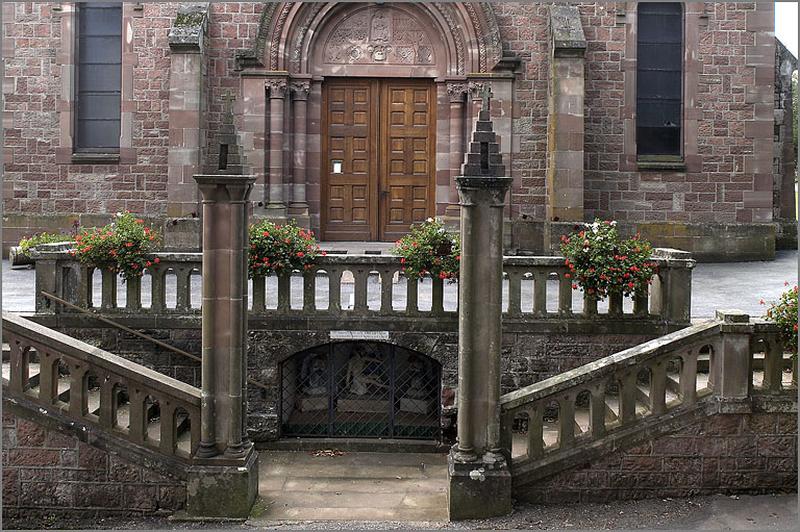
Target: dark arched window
99 78
659 79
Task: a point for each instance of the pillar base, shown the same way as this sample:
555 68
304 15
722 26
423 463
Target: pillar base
275 212
225 490
478 489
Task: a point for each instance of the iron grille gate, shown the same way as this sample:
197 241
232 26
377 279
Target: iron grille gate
360 390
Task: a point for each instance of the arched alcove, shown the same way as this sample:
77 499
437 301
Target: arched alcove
360 389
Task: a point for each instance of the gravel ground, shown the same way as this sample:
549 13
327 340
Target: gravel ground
763 512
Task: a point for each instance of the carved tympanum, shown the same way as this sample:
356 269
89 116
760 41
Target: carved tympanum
379 35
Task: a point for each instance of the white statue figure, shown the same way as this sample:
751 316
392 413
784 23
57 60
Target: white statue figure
358 380
315 376
417 379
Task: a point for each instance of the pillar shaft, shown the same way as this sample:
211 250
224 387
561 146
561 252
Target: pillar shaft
300 108
277 92
456 92
224 326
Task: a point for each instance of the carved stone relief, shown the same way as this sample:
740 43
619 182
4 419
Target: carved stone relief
379 35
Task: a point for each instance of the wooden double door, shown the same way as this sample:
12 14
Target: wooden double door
378 157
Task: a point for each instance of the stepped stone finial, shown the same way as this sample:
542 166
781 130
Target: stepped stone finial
484 158
230 158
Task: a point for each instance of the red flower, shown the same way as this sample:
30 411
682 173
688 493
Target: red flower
148 263
301 254
265 233
574 286
128 244
631 285
567 276
139 221
402 260
156 260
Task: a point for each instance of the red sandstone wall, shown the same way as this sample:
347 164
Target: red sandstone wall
754 453
726 181
46 472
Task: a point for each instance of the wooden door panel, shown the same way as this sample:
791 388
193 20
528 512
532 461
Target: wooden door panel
407 156
349 201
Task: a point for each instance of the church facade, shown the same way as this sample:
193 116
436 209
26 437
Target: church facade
672 118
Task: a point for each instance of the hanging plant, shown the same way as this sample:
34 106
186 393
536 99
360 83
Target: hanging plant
123 246
280 249
429 249
601 263
784 313
28 243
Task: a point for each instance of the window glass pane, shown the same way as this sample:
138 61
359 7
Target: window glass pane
659 78
99 77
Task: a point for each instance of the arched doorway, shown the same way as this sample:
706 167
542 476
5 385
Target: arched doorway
368 109
360 390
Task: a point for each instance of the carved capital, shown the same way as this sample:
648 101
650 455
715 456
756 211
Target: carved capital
277 87
476 89
483 190
456 91
300 90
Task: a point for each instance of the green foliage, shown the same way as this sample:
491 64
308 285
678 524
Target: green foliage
280 249
429 249
601 263
122 246
26 244
784 313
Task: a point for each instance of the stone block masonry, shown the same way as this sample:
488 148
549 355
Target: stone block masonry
725 453
47 472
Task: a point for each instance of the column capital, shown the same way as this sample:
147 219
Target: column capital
473 190
476 89
456 90
277 87
300 89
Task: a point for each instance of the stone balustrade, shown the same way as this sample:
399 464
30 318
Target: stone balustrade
723 364
340 287
93 387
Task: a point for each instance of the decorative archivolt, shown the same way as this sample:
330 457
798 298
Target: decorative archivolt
457 38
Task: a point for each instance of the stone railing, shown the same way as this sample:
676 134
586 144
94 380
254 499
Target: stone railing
93 387
358 286
726 363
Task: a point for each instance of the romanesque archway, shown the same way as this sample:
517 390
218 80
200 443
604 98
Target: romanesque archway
406 80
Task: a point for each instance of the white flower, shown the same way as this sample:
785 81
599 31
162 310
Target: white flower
429 220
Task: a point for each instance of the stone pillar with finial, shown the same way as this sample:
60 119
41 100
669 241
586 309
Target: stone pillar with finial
223 479
480 481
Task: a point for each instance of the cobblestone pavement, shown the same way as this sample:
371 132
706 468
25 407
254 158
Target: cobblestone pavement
719 512
730 285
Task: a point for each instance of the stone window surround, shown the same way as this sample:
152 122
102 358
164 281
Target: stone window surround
66 59
694 15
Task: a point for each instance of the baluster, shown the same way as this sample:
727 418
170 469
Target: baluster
48 378
437 296
194 429
310 290
183 288
539 293
85 286
598 412
514 293
773 365
137 430
334 289
259 294
108 406
284 292
657 296
564 296
658 387
566 421
168 431
615 304
640 298
386 291
77 391
535 432
412 291
19 367
108 289
158 289
133 291
688 382
506 432
360 278
627 398
589 305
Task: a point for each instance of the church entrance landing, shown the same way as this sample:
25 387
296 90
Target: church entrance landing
378 154
360 390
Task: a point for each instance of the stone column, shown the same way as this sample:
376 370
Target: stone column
456 92
300 90
565 116
480 482
186 122
223 452
276 208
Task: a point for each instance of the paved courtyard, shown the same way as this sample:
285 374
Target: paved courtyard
738 285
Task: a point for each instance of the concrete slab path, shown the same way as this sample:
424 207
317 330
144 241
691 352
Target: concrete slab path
299 486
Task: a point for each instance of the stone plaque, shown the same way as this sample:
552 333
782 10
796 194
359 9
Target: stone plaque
359 335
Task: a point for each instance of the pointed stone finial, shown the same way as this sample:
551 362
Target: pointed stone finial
483 158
